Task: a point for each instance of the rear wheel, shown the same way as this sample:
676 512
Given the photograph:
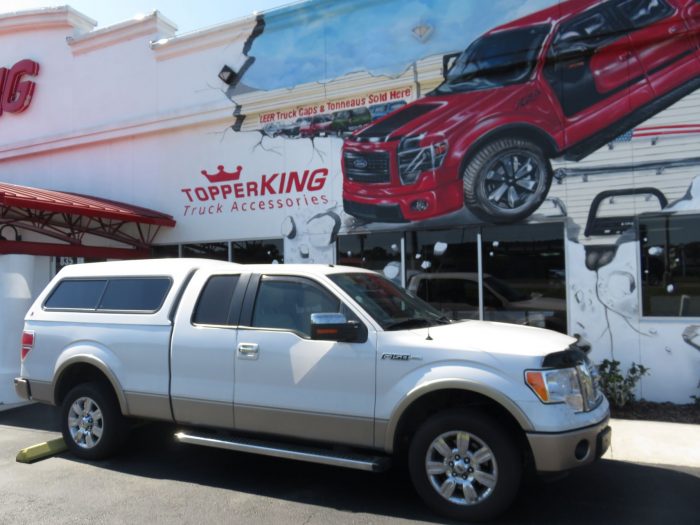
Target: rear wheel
506 180
92 424
464 465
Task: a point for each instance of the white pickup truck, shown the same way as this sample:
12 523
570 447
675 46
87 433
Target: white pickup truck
328 364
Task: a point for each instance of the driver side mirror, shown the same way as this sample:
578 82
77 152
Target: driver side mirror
336 327
447 63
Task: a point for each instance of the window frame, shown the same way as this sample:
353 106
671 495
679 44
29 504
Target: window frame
640 272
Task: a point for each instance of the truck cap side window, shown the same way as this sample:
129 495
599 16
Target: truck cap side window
139 294
79 294
213 305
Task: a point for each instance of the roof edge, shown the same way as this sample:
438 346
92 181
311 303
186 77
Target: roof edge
47 17
152 24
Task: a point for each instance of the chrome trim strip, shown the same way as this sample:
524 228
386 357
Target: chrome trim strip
357 462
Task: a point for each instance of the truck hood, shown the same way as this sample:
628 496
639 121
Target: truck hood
497 338
435 113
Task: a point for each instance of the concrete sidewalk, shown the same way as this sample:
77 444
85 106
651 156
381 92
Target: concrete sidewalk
655 443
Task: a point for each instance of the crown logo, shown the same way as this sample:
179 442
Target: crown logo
222 175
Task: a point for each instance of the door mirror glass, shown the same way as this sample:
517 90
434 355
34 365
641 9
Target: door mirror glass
334 327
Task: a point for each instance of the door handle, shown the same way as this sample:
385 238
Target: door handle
673 30
624 57
249 350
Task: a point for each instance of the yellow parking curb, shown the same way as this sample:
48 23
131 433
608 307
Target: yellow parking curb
41 451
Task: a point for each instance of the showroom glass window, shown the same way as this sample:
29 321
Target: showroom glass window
524 276
209 250
670 262
441 269
165 251
380 252
269 251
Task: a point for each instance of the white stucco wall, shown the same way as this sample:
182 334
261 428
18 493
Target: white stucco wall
22 277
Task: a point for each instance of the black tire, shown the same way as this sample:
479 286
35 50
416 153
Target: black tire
491 456
494 193
91 437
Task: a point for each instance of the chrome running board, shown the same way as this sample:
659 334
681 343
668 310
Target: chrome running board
285 451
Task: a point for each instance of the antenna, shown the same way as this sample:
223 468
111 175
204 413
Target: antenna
428 338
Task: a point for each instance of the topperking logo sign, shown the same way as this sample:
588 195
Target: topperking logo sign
230 192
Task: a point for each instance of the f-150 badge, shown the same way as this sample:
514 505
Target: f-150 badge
400 357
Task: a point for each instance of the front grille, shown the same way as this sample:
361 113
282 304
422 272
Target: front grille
374 212
367 167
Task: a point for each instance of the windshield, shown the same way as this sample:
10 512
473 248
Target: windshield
496 60
392 307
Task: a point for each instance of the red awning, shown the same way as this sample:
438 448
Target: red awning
68 217
76 204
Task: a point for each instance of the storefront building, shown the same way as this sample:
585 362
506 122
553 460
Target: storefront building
534 164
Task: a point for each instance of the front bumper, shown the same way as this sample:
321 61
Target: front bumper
22 388
554 452
389 203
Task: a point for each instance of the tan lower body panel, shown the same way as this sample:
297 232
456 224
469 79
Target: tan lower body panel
557 452
151 406
201 412
42 391
332 428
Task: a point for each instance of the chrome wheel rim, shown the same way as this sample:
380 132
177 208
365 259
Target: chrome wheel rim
85 422
512 180
461 468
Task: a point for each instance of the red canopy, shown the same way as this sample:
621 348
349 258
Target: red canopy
68 217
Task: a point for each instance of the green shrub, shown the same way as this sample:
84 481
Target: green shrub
618 388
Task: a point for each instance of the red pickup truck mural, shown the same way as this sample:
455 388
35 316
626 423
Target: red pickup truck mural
559 83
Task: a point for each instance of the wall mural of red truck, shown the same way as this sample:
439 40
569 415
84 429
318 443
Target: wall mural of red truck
559 83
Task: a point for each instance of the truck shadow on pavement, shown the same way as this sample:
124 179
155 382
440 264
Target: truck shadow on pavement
608 492
36 416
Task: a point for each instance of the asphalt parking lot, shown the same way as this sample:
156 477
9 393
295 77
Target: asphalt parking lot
157 480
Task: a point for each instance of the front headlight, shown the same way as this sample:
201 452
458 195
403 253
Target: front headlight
414 159
556 386
568 377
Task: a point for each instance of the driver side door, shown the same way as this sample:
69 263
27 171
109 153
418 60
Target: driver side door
594 73
290 385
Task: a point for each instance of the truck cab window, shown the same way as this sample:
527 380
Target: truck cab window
288 304
214 302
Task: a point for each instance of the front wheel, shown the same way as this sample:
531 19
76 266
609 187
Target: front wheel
464 465
92 424
506 180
